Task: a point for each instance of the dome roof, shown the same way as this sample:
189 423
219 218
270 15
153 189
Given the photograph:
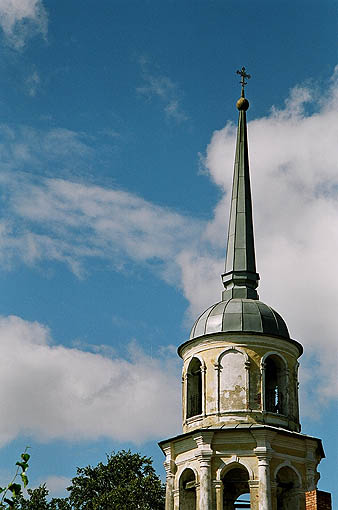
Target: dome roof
245 315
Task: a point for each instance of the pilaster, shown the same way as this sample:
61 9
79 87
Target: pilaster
218 490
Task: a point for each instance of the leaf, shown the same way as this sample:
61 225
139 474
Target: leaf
25 456
24 479
23 465
9 502
15 488
2 489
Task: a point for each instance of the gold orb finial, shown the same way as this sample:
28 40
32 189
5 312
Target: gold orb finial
242 104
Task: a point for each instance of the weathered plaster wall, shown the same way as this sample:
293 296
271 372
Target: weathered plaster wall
233 381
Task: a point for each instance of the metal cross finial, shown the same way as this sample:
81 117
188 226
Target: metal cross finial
243 75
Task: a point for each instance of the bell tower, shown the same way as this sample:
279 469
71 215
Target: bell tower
241 445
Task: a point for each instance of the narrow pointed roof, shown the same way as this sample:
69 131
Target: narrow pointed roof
240 279
240 309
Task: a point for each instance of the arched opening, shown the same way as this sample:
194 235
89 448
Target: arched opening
275 385
288 494
194 390
187 486
236 492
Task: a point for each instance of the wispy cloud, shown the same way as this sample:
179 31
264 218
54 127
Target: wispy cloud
22 19
73 222
32 83
156 85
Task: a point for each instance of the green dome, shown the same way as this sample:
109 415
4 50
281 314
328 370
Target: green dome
242 315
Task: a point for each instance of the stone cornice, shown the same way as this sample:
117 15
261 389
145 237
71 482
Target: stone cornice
295 348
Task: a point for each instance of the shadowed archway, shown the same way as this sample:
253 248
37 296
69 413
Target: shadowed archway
187 486
235 484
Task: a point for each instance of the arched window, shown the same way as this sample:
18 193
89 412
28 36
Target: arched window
194 389
275 385
236 492
187 490
288 494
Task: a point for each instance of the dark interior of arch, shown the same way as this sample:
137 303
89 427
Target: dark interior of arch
187 490
194 393
288 495
235 483
275 385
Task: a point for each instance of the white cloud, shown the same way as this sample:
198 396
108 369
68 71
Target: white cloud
50 391
163 88
57 485
295 188
21 19
294 180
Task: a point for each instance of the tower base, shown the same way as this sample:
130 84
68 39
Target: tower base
273 468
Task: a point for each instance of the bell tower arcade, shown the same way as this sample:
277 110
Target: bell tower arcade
241 445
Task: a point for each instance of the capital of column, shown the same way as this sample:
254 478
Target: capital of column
217 367
264 455
263 438
203 440
204 458
170 468
169 463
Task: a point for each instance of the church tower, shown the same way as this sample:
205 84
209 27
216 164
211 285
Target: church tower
241 431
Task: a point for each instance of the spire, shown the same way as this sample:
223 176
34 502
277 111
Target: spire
240 278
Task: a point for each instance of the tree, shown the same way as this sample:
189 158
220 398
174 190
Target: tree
37 500
128 481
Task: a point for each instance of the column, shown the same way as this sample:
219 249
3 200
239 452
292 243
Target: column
169 492
263 396
264 490
217 368
247 383
205 482
263 451
169 466
254 499
312 475
204 389
204 454
218 486
273 486
176 499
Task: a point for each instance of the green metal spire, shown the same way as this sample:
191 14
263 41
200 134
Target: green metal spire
240 278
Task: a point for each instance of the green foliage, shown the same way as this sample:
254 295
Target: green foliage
128 481
12 492
37 500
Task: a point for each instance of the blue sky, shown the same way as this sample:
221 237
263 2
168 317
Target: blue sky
117 123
